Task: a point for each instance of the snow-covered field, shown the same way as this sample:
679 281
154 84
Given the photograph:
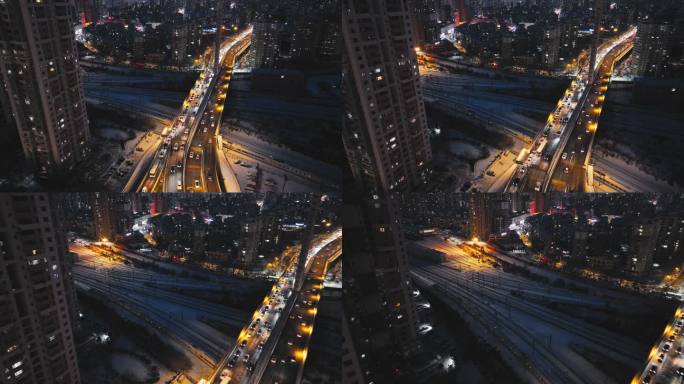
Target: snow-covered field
513 313
164 303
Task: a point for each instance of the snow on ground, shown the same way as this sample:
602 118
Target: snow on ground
246 175
644 134
554 342
114 133
484 98
466 150
631 177
150 297
125 364
275 151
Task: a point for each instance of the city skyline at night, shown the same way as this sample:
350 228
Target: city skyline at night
181 178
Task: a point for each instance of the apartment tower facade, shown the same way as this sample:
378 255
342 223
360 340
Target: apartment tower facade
37 298
385 130
39 66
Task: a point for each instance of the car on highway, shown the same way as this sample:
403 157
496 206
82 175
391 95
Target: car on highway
197 184
566 170
661 357
175 146
647 379
232 362
680 371
653 369
666 348
179 164
192 155
274 359
564 156
537 186
245 358
179 185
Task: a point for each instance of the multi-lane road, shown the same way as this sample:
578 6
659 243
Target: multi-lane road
108 271
665 363
571 170
560 152
286 363
185 158
248 360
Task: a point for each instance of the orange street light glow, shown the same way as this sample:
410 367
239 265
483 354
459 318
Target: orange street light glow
653 352
300 355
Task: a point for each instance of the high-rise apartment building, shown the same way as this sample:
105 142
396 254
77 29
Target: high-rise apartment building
39 65
387 143
479 216
652 49
103 217
179 44
380 311
87 12
249 247
37 299
642 245
385 129
551 42
266 38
